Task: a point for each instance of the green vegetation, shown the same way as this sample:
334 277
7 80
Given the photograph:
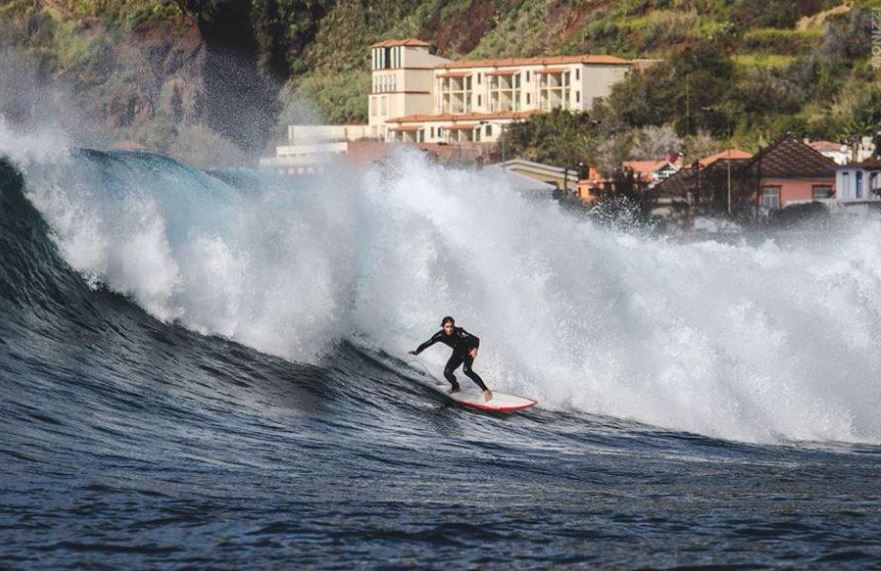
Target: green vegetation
738 70
743 88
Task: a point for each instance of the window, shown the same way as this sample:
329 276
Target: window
489 130
527 75
373 105
383 110
577 97
479 78
528 99
859 181
478 99
577 74
821 191
771 197
432 132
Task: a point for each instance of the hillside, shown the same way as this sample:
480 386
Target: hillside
195 72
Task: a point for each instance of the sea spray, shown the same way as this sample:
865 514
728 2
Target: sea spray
752 342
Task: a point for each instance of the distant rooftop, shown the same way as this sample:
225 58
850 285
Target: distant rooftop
411 42
550 60
729 154
825 146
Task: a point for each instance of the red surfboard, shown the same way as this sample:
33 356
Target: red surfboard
500 402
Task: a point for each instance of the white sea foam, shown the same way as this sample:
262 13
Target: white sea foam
43 144
757 343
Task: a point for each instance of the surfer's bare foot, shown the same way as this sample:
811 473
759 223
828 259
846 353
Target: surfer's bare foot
487 395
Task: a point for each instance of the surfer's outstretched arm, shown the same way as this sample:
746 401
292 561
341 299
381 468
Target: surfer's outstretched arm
434 339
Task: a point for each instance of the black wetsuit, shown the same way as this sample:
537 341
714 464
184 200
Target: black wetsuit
462 343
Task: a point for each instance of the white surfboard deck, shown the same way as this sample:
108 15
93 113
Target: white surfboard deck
500 402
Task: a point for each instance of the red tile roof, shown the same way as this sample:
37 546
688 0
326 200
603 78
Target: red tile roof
645 168
730 154
550 60
827 146
410 42
790 158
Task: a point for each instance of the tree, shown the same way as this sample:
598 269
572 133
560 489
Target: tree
560 137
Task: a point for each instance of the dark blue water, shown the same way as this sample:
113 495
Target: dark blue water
126 442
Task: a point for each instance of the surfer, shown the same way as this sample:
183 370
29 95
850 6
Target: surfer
465 346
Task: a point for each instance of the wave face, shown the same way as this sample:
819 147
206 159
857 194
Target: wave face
206 368
751 342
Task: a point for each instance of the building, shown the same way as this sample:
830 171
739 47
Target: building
652 172
558 178
786 172
420 97
789 171
726 155
838 152
843 154
859 181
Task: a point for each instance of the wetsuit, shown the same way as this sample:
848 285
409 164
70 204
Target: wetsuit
462 343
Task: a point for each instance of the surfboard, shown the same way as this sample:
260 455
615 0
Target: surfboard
501 402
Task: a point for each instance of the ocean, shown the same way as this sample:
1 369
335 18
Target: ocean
210 370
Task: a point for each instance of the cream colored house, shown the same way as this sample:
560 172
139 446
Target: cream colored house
420 97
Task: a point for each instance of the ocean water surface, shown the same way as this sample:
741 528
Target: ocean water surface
209 369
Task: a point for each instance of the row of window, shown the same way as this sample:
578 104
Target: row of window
506 100
771 195
386 58
384 83
507 82
441 132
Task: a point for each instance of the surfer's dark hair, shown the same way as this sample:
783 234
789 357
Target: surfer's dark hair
447 318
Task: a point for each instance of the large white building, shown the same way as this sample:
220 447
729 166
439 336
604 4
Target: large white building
419 97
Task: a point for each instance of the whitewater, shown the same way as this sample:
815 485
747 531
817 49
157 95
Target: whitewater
213 364
747 342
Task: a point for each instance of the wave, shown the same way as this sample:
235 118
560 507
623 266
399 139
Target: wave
756 342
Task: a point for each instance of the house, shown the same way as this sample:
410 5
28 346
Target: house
710 185
594 187
417 96
859 181
786 172
790 171
838 152
652 172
